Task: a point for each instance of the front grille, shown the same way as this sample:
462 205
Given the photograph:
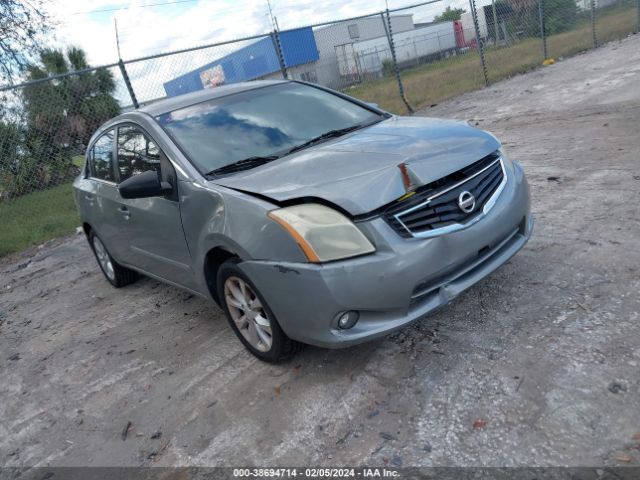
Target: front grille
435 206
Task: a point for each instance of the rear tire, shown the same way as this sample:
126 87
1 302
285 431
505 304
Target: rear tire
250 317
116 274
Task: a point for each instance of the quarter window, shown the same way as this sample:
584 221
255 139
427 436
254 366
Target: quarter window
137 153
101 158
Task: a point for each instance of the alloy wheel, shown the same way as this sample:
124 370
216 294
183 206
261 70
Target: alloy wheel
248 313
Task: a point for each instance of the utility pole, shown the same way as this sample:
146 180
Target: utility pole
115 24
123 71
274 23
277 45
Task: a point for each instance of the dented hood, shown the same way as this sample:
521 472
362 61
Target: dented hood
359 171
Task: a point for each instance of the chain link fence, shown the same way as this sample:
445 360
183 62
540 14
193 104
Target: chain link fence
400 59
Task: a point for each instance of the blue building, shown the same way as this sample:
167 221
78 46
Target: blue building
253 61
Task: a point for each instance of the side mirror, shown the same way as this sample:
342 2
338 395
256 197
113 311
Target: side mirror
374 105
144 185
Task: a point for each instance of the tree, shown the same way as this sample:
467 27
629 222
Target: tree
62 114
19 172
450 14
22 26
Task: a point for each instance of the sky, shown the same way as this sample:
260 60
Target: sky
148 27
146 30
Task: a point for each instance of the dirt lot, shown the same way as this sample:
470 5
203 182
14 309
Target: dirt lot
537 365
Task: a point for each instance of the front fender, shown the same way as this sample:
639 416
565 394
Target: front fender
219 217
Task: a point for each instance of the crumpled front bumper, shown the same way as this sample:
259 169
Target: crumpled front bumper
401 282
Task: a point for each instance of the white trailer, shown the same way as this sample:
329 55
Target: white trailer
409 45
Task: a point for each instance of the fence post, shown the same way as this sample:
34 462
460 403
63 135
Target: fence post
127 82
474 16
392 48
593 23
275 37
495 22
543 34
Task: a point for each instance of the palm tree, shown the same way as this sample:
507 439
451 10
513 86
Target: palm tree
62 114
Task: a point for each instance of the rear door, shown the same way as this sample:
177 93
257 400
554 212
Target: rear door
98 194
152 227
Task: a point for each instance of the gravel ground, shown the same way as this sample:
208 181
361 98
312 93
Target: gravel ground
536 365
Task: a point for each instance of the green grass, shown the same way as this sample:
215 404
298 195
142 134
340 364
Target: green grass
428 84
78 161
36 217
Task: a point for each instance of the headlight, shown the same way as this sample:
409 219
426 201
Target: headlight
322 233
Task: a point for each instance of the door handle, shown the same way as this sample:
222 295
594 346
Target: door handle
124 211
88 197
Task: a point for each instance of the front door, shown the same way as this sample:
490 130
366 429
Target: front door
151 227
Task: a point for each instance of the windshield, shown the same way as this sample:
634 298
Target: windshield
259 123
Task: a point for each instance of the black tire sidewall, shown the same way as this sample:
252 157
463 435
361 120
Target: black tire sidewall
281 344
122 276
114 282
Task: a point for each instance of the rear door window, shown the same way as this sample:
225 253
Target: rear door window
101 158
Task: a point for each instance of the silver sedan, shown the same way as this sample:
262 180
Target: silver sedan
307 215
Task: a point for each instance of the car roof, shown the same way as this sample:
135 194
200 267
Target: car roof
173 103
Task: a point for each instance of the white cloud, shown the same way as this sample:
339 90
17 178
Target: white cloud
150 30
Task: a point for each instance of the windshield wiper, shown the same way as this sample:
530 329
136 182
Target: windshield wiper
244 164
254 161
326 135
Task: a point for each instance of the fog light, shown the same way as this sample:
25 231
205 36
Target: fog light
348 319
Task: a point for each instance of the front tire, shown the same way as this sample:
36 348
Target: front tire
250 317
116 274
